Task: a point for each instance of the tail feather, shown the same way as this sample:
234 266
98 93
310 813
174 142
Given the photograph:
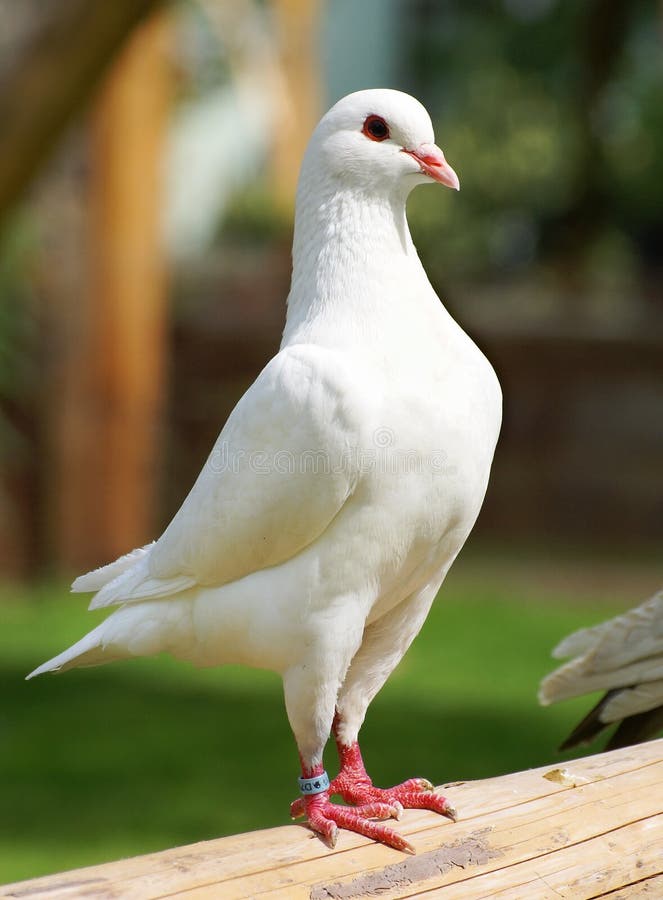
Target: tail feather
128 580
137 584
86 652
97 578
138 629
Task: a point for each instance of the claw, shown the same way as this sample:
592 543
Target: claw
450 811
424 784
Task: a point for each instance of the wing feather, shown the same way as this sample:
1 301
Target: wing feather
279 472
623 656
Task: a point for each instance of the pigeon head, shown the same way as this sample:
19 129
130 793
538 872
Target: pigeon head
380 140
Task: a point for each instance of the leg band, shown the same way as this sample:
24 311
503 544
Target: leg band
315 785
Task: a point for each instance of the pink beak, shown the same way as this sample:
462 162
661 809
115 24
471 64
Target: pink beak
432 163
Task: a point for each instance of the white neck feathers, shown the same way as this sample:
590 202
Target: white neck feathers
350 250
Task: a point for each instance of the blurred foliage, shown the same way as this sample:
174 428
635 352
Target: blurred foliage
201 61
532 113
254 217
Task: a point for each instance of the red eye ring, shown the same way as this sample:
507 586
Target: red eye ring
375 128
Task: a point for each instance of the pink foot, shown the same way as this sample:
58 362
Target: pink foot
354 786
326 818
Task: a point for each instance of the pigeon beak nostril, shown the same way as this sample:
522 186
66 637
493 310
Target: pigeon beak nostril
432 163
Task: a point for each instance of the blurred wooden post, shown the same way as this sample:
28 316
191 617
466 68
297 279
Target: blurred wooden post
109 465
297 29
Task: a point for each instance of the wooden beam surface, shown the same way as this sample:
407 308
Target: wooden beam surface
593 830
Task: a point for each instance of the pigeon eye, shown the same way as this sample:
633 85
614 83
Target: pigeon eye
375 128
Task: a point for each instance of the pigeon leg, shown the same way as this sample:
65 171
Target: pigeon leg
304 694
355 786
383 645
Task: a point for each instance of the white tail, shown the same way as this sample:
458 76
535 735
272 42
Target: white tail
97 578
138 629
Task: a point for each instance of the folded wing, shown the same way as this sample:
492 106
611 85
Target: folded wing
279 472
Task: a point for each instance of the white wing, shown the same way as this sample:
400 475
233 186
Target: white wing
279 473
621 652
624 657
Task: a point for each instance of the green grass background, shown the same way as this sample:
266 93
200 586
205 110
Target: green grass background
139 756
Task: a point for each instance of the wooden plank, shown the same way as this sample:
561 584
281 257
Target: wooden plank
580 872
649 887
515 831
503 839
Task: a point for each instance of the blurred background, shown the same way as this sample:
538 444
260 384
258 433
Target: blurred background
148 161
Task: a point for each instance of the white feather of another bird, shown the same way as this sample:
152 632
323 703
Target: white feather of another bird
623 652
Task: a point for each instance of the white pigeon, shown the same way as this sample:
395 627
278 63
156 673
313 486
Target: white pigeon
623 656
344 482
